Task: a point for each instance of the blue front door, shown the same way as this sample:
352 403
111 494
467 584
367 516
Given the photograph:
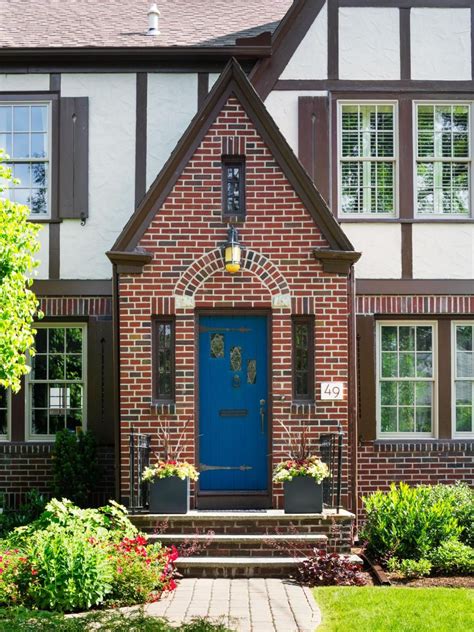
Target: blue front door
233 403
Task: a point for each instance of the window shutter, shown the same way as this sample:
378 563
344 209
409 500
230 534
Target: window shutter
313 140
74 158
366 412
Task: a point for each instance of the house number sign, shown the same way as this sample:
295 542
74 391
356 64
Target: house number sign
332 391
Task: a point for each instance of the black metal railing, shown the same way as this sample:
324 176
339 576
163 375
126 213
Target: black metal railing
330 447
139 460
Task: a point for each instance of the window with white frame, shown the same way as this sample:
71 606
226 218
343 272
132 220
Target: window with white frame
57 383
25 136
4 411
406 379
463 373
367 159
443 159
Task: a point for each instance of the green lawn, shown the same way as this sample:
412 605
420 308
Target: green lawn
391 609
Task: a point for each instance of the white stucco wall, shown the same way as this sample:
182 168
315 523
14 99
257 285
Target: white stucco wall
112 114
444 251
441 44
369 43
283 107
42 271
213 77
380 245
310 59
172 103
11 82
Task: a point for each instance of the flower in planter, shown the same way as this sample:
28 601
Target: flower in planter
310 466
166 469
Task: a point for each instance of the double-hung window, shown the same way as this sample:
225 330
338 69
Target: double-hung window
463 374
406 371
25 135
367 159
443 159
56 385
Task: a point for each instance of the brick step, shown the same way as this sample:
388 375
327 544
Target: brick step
235 545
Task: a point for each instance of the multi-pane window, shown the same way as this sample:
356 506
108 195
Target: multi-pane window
233 187
443 159
4 410
303 358
367 160
164 359
56 384
463 378
25 136
406 375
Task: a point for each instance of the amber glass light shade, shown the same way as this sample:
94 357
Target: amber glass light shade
232 252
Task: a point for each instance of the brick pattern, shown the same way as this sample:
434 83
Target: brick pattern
414 305
185 238
76 306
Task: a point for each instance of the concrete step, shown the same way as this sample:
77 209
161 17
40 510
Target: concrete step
244 545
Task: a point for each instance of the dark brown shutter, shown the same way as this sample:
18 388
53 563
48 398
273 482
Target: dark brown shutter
100 408
365 326
74 157
313 140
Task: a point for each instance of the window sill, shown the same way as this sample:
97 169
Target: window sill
164 407
405 220
46 220
303 406
420 445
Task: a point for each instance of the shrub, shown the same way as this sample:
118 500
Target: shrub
410 568
405 523
329 569
461 498
75 466
12 567
453 557
30 510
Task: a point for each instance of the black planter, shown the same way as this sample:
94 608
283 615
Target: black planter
303 495
169 495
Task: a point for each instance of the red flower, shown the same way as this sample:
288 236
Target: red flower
34 571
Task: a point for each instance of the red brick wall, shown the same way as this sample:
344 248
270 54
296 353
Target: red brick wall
184 237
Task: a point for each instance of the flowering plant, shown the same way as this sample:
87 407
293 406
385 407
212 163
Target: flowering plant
165 469
309 466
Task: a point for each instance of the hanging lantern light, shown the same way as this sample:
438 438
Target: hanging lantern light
232 251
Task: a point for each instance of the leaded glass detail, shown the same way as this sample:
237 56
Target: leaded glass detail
251 371
164 387
464 378
236 358
368 159
233 174
217 345
406 378
443 161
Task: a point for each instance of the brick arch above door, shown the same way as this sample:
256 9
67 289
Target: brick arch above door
212 262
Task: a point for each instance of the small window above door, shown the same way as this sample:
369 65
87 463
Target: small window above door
233 187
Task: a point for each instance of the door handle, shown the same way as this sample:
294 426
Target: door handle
262 416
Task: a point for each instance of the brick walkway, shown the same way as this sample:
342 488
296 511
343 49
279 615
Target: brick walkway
245 605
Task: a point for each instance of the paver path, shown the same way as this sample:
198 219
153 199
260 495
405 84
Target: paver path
245 605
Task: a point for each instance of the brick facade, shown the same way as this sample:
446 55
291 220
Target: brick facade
279 274
26 465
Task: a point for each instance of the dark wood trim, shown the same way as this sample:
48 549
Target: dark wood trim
286 39
55 82
116 379
18 414
141 136
333 39
129 262
235 161
203 88
444 379
309 321
54 228
406 4
232 81
405 44
156 321
336 260
423 287
313 140
54 250
407 250
405 158
359 85
56 287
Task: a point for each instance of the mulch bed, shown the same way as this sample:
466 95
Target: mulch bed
432 582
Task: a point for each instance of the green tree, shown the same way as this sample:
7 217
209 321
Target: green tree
18 304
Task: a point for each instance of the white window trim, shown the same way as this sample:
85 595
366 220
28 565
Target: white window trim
407 435
47 161
6 437
454 432
442 216
59 325
395 214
